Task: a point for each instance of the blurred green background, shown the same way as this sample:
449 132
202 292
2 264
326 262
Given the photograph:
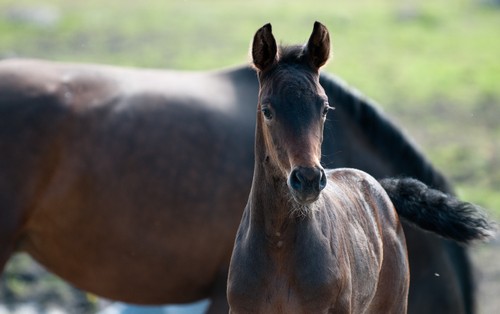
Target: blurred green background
434 66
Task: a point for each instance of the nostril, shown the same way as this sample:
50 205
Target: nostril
296 180
322 180
307 179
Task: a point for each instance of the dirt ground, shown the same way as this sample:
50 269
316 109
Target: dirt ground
486 258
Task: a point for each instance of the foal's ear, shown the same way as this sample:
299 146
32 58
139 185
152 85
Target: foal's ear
318 46
264 48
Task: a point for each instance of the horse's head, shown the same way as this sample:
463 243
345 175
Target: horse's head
292 109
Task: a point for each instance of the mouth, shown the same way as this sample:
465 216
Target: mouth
305 198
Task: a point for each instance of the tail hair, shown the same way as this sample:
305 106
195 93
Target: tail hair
438 212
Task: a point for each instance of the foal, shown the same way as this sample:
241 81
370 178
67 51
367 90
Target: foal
301 250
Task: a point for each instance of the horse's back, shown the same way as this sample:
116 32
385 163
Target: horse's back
91 84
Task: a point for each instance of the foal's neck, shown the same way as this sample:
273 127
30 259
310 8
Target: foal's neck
270 203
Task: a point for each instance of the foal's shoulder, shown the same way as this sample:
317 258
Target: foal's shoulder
351 175
355 179
361 183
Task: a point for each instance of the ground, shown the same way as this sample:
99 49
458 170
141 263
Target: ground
487 262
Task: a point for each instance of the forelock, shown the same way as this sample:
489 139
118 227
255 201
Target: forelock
291 54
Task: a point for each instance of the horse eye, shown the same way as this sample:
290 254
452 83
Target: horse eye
267 113
326 108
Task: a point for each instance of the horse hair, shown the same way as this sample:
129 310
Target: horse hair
438 212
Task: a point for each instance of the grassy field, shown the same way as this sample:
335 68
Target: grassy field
434 66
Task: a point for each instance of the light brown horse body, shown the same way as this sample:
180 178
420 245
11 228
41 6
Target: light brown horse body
312 241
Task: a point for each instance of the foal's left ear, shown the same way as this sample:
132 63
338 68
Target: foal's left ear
318 46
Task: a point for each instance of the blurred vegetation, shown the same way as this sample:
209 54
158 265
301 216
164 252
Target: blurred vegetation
26 282
434 66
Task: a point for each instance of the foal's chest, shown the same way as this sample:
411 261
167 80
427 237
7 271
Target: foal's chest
313 273
293 277
312 289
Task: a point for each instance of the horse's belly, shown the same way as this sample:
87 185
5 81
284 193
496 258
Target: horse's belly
149 261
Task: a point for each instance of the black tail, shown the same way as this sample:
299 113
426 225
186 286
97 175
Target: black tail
438 212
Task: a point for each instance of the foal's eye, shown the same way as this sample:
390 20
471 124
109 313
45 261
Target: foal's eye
267 113
325 109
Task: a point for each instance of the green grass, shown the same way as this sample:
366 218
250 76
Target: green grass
434 65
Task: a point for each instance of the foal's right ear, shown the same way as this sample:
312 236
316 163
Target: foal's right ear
318 46
264 48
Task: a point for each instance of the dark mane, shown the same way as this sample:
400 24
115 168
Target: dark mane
386 139
290 58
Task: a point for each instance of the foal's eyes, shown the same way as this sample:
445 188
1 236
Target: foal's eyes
267 113
326 108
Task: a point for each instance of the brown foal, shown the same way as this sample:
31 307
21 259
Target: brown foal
299 250
305 246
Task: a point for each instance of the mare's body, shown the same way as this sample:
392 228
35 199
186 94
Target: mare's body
130 183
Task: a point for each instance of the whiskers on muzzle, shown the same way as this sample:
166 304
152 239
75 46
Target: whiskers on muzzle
299 210
305 184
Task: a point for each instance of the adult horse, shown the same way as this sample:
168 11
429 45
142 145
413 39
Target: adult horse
316 241
130 183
